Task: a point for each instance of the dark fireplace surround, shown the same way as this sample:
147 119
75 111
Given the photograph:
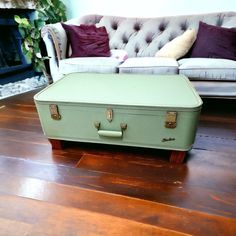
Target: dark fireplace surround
12 59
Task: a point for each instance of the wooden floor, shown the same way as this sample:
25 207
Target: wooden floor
104 190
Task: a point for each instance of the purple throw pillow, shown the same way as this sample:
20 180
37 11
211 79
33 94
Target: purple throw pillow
87 40
214 42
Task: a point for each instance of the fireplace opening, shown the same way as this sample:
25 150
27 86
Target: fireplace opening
13 63
9 50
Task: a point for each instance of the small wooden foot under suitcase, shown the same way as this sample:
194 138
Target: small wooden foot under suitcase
155 111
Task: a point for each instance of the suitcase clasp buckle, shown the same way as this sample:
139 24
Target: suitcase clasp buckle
171 119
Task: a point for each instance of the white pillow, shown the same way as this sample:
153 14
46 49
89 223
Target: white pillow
179 46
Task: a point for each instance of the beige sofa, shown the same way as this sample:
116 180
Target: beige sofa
142 38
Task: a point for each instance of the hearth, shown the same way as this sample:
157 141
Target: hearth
12 59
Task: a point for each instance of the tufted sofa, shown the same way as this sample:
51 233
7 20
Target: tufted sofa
141 38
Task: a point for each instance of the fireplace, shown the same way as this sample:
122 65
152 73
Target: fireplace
12 59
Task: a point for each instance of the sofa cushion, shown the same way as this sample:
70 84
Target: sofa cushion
179 46
149 65
87 40
89 64
214 42
208 68
120 54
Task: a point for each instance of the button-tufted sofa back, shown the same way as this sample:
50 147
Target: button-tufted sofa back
142 37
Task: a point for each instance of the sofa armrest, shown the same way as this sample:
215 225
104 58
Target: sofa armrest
58 38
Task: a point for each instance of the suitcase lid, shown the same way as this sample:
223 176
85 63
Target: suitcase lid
140 90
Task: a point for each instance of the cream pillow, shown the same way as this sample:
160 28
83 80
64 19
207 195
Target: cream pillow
179 46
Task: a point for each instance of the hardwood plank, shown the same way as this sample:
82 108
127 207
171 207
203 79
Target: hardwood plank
51 220
215 143
14 228
18 110
201 166
31 138
158 187
34 145
144 212
41 151
20 123
216 129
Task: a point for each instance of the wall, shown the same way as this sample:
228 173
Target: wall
146 8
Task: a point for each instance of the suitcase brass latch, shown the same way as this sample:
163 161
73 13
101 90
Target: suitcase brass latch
171 119
109 114
55 115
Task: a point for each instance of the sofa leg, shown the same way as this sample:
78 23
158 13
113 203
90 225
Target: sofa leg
177 157
56 144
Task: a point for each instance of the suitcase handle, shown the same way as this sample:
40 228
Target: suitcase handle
110 133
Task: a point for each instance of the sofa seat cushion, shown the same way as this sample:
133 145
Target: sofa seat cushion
208 68
89 64
149 65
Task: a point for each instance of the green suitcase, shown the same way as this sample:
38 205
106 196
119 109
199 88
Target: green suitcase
155 111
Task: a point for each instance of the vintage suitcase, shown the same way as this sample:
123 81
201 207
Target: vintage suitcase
156 111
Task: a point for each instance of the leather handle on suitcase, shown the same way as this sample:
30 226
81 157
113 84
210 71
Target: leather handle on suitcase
110 133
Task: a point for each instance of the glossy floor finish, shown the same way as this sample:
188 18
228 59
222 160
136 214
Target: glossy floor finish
89 189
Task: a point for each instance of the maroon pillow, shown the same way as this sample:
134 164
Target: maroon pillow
87 40
214 42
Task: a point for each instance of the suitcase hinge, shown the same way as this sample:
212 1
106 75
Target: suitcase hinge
55 115
171 119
